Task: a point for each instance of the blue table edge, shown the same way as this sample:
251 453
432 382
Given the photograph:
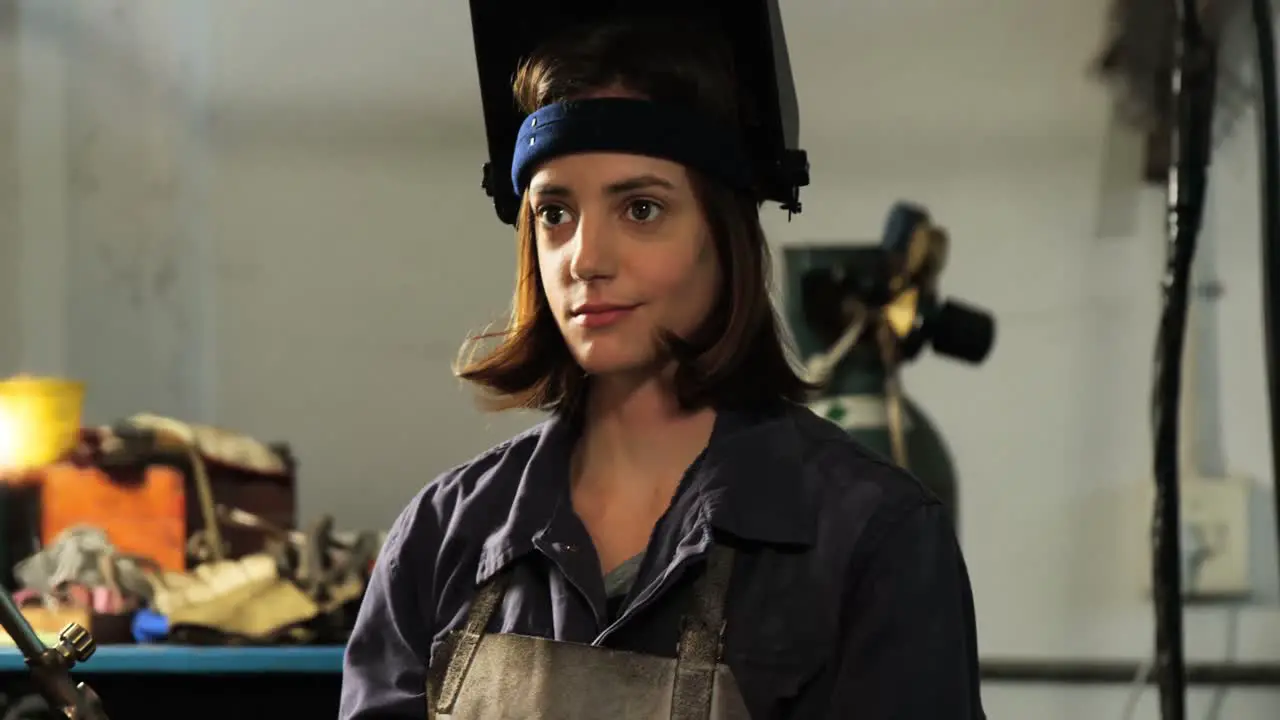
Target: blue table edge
184 659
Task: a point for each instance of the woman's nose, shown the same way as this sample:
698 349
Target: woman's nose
593 254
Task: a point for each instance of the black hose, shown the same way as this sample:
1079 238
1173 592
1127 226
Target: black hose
1192 85
1269 157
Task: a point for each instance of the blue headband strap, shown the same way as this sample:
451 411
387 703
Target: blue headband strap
635 127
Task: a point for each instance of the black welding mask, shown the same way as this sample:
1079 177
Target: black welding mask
506 32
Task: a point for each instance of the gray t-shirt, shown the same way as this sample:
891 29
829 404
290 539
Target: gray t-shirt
618 583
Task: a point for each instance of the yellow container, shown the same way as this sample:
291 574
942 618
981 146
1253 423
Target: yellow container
39 420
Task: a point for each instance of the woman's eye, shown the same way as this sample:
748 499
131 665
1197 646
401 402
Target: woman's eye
552 215
643 211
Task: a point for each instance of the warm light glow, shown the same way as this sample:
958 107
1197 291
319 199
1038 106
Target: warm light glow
10 439
39 421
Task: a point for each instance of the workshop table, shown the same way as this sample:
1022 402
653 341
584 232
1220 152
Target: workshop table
239 682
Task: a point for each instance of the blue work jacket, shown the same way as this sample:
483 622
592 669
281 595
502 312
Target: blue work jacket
849 597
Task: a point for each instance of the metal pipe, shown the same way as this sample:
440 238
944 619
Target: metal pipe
1107 672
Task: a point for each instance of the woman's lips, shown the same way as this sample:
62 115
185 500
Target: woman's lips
594 317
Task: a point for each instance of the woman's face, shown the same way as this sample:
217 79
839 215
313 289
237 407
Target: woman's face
624 253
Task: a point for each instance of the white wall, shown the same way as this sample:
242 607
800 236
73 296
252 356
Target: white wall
287 236
10 227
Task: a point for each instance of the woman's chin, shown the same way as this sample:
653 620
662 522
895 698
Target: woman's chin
602 361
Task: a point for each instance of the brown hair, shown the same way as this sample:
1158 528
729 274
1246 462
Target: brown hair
738 357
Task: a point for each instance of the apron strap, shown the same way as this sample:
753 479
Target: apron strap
483 606
701 639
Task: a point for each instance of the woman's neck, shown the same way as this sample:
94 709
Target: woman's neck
636 433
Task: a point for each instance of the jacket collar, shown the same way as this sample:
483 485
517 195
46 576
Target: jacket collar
748 485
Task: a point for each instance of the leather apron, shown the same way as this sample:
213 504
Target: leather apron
516 677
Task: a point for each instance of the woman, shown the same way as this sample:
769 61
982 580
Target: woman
681 539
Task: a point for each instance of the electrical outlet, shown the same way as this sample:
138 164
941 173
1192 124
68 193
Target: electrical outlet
1214 538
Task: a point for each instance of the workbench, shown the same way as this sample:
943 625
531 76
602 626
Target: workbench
240 682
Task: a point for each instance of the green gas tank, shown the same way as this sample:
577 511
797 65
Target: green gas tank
855 397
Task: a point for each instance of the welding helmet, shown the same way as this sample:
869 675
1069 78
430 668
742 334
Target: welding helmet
507 32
